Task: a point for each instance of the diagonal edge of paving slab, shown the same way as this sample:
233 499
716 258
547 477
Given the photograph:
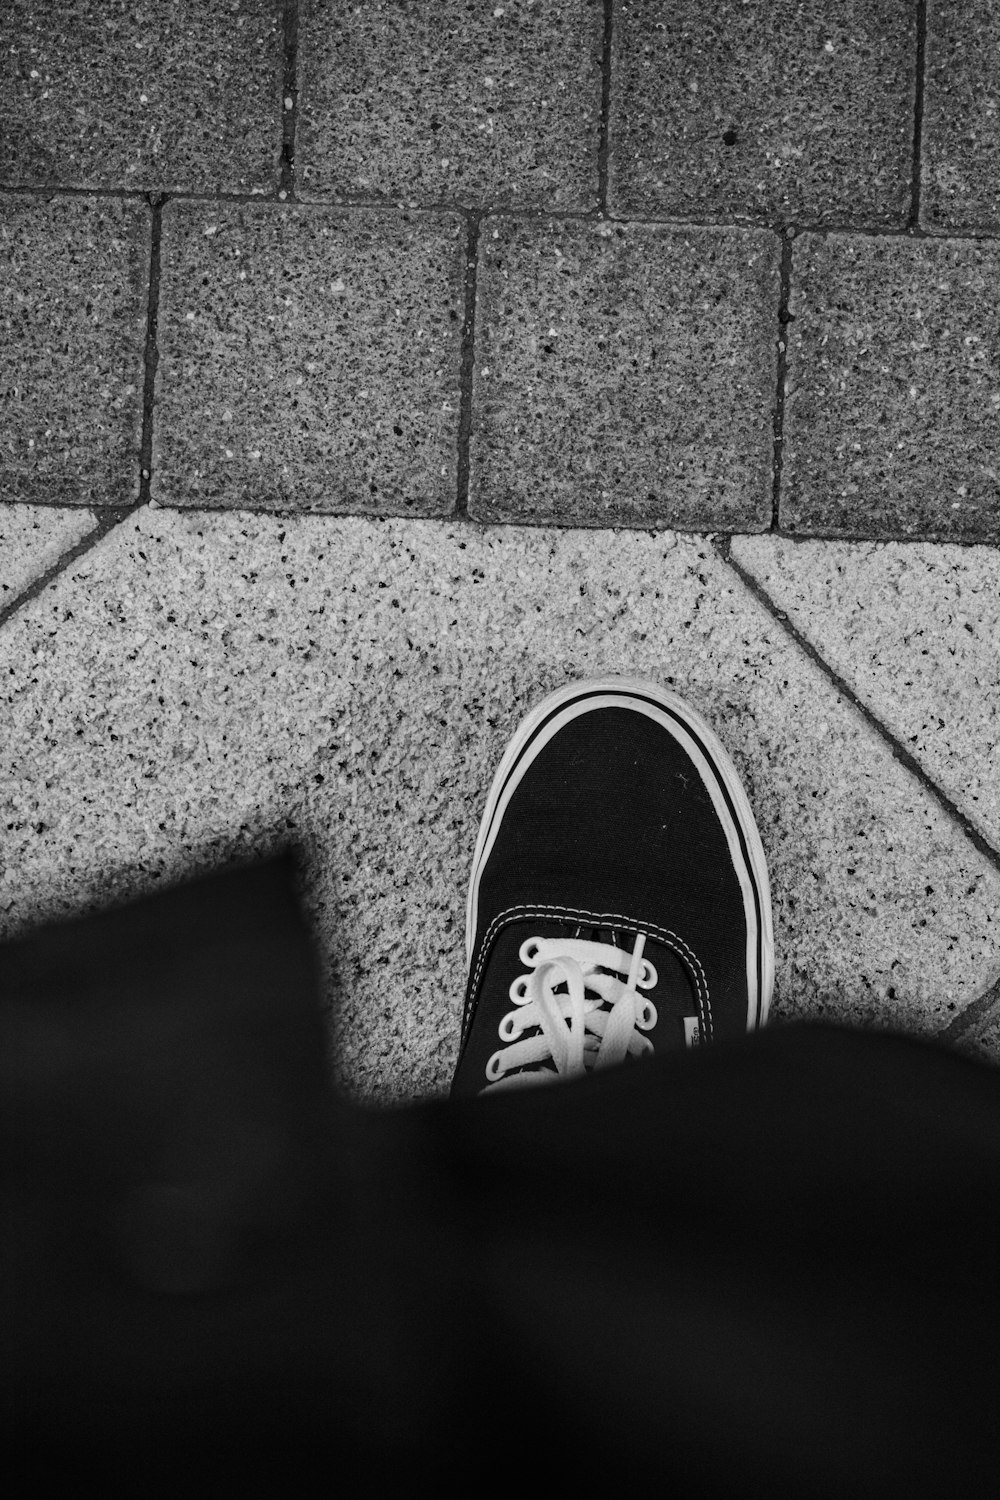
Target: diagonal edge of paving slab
229 680
33 540
911 628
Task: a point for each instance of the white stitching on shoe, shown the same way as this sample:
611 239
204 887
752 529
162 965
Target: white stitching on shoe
669 938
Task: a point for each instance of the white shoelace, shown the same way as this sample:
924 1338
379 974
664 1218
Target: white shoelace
577 1033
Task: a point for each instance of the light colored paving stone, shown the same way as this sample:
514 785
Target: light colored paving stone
914 631
32 539
229 679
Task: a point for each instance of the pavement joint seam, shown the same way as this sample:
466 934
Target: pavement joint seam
883 539
468 362
974 1018
289 91
977 1014
777 225
784 318
151 352
918 111
895 746
108 517
604 146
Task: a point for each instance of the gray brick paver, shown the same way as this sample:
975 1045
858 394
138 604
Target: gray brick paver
73 307
486 104
309 358
779 110
624 375
892 406
178 95
960 138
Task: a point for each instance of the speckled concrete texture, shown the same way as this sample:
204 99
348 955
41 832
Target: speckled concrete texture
497 104
960 133
73 303
200 686
625 375
309 358
892 396
33 538
736 110
176 94
915 633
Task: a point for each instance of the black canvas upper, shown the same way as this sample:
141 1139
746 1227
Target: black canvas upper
611 829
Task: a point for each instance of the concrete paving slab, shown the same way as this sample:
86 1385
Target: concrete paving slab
960 134
200 686
73 305
892 404
32 539
483 105
914 631
625 375
773 111
982 1038
309 358
172 96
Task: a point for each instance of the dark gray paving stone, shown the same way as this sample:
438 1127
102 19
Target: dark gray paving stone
773 110
177 95
960 145
625 375
892 407
474 104
309 358
73 309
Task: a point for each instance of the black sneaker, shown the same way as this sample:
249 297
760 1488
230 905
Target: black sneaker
619 903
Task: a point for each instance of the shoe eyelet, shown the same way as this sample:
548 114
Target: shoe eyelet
508 1030
529 951
493 1069
647 978
518 991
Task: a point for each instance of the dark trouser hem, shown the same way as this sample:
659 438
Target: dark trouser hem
765 1267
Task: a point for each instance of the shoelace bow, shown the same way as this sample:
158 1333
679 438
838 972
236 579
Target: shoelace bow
577 1033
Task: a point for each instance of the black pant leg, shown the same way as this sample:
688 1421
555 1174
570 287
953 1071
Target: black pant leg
760 1268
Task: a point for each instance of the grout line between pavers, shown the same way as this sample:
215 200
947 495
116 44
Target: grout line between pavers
784 318
604 145
467 367
918 111
777 225
974 1017
875 539
895 746
289 99
151 353
108 517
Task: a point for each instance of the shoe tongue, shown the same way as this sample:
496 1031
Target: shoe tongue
673 993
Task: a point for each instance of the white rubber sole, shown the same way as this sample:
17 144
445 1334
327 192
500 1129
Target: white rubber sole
717 772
